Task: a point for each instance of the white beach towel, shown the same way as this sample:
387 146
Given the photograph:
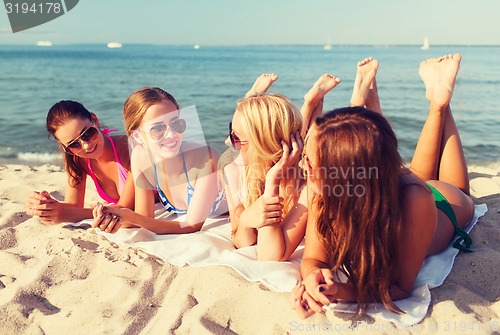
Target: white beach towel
213 246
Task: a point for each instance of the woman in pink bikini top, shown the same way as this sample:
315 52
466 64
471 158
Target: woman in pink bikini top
87 151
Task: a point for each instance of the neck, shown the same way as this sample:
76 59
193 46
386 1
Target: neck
107 154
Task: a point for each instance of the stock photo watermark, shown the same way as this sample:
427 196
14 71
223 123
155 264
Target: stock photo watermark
26 14
453 327
350 181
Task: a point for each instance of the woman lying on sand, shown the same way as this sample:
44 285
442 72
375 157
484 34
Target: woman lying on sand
376 221
87 151
182 173
265 138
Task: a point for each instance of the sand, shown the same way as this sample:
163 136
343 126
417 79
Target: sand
70 280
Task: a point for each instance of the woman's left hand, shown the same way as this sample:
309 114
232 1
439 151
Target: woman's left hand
303 303
109 219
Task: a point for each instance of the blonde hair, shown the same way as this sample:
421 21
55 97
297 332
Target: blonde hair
138 103
269 119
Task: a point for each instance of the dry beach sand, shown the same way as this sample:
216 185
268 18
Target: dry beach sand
70 280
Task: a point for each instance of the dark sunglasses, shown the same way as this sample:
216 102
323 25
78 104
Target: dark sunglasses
158 131
76 146
235 140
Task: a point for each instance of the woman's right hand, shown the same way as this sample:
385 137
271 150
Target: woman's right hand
287 160
263 212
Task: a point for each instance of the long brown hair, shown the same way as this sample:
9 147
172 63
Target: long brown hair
359 217
57 116
138 103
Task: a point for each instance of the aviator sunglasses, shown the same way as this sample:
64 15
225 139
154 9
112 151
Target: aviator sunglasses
76 145
158 131
235 140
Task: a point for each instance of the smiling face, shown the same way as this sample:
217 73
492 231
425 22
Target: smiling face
241 138
163 141
72 129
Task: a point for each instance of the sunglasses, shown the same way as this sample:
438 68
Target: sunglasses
158 131
76 145
235 140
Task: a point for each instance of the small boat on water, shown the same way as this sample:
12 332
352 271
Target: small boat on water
44 43
113 45
425 46
328 46
196 46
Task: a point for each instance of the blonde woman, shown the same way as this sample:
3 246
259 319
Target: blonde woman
266 196
183 174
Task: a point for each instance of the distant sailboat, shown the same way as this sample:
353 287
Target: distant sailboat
328 46
114 45
196 46
425 46
44 43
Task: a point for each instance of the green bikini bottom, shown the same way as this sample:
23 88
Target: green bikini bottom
444 205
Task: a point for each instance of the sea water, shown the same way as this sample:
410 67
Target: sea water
213 79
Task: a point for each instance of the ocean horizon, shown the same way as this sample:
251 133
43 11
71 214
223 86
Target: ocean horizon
214 78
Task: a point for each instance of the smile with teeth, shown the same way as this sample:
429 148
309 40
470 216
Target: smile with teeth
91 151
169 145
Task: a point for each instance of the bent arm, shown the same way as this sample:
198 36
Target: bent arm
277 242
201 204
243 236
50 211
315 255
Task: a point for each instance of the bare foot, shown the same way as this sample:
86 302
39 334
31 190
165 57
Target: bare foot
262 84
364 84
321 87
439 76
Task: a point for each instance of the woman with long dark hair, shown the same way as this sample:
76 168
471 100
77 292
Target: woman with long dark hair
373 220
88 150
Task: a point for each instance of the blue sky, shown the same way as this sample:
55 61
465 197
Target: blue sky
235 22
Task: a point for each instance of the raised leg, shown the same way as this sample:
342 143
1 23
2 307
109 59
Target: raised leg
313 100
439 158
439 153
262 84
365 92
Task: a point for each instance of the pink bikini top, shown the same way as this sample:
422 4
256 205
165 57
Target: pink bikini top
122 173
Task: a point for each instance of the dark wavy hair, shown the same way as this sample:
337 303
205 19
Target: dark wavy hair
57 116
360 230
